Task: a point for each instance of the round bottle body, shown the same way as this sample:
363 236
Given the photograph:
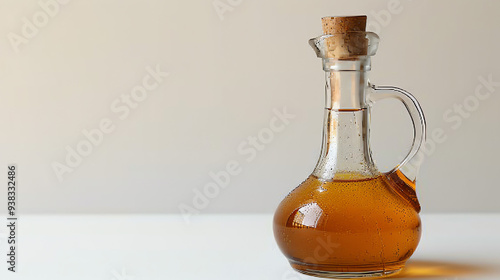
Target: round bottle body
349 228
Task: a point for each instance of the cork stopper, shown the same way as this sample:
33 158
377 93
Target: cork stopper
345 43
332 25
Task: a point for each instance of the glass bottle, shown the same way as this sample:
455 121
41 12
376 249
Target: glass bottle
348 219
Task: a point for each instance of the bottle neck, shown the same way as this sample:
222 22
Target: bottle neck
345 152
346 83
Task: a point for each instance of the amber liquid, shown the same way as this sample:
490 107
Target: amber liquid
350 225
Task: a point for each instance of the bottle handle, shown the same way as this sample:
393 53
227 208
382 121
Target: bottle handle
410 164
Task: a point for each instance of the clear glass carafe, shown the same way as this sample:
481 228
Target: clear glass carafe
348 219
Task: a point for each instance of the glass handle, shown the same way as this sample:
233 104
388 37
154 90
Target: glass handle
410 164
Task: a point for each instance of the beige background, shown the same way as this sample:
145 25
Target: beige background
228 71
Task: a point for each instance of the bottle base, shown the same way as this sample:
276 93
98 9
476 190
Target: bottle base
347 272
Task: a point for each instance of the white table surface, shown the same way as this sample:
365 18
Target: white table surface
147 247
